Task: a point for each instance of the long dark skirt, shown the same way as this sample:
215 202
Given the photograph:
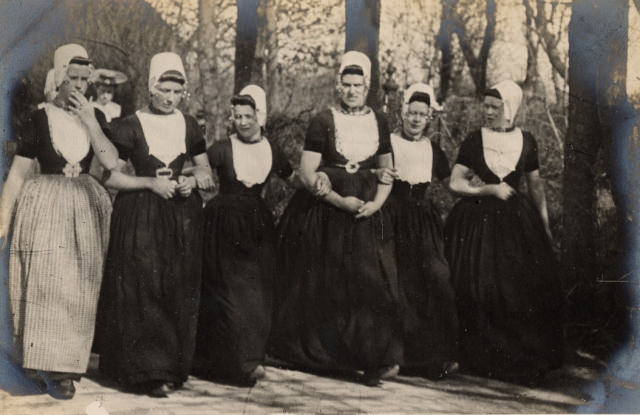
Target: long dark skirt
507 287
429 308
237 287
151 288
336 294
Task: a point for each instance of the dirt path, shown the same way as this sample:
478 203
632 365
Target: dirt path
286 391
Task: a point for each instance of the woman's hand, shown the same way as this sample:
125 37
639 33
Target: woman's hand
352 204
322 185
185 185
386 175
503 191
81 107
203 179
163 187
368 209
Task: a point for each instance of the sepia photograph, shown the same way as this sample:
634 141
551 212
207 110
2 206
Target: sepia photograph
319 206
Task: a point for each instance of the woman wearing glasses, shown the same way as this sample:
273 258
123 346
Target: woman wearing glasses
430 318
151 289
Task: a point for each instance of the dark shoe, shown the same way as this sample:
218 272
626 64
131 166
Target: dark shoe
61 389
373 377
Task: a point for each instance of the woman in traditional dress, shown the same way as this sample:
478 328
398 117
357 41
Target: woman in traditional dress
337 304
430 317
499 251
151 290
239 248
60 229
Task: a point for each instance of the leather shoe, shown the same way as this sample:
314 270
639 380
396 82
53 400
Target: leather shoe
61 389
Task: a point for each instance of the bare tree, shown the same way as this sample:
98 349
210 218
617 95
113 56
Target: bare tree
207 34
362 32
263 66
540 22
443 42
247 27
271 50
459 17
602 125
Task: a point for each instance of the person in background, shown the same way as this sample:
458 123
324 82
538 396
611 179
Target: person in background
60 229
151 290
336 293
106 81
498 244
430 316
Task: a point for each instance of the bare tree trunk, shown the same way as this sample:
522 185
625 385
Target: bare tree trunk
532 80
271 64
246 39
208 65
549 40
487 41
362 32
443 42
263 66
600 120
478 64
258 64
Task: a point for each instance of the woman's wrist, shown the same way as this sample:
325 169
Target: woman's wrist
90 121
147 182
485 190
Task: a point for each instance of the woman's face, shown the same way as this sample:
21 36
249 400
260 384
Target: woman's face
353 91
77 79
245 121
167 96
416 119
105 94
493 109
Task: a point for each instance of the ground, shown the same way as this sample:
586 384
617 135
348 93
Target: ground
290 391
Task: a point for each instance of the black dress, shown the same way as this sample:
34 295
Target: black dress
504 274
430 316
151 287
237 283
336 294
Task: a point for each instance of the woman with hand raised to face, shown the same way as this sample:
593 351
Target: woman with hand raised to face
499 251
60 228
239 248
336 292
151 290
